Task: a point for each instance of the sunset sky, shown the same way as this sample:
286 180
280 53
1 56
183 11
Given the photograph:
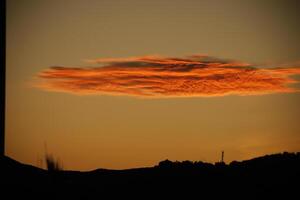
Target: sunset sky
123 84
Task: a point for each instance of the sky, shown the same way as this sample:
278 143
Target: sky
125 84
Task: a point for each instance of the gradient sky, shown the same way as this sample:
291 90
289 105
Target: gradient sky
124 131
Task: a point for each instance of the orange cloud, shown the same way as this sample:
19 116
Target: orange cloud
154 76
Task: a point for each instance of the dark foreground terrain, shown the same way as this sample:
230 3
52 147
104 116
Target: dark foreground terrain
270 176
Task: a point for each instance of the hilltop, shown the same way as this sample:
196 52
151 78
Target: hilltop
275 175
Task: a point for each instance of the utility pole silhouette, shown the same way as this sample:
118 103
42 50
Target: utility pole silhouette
222 157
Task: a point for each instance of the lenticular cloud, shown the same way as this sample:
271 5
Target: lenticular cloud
158 77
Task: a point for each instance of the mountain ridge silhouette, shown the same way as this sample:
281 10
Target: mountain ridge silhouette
275 175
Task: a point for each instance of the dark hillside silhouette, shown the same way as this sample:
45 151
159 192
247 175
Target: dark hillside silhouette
269 176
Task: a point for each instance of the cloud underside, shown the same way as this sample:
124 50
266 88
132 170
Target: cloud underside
153 76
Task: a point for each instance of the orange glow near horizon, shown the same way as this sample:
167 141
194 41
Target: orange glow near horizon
159 77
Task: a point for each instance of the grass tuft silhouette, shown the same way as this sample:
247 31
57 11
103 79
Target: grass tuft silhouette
53 164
